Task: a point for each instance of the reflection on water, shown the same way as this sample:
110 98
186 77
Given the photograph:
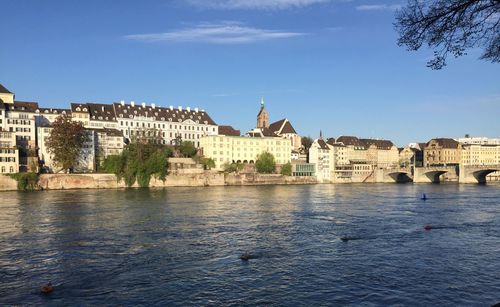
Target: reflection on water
181 246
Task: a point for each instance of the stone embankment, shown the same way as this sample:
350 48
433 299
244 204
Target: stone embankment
175 179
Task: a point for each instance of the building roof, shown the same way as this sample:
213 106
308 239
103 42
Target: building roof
101 112
350 140
79 108
445 142
322 144
108 131
282 126
22 106
261 132
380 144
228 130
331 141
53 111
4 90
163 114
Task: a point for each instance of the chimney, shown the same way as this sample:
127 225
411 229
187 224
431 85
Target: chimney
132 103
143 104
196 110
153 105
102 108
180 108
188 109
171 108
122 102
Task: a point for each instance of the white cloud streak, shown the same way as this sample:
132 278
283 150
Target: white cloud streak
225 33
378 7
253 4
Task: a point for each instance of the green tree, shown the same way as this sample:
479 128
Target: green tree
450 27
208 163
66 141
286 169
187 149
232 167
265 163
139 162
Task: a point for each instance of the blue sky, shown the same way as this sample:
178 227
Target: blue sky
324 64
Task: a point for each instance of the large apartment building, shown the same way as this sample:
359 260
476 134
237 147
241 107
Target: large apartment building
442 151
240 149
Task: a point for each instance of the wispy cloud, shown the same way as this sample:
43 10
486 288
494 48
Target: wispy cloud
254 4
378 7
224 33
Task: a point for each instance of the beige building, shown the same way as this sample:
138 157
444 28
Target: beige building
238 149
442 151
475 154
381 153
19 117
322 157
9 154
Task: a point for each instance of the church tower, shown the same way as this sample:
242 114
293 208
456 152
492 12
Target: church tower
262 117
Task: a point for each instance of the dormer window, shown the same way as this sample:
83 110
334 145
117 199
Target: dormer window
170 119
78 109
163 118
121 115
84 109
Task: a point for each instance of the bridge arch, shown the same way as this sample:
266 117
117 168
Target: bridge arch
434 175
480 175
400 177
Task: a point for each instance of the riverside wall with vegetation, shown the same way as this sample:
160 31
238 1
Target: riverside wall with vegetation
187 179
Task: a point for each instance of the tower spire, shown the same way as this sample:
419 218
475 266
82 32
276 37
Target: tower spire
262 102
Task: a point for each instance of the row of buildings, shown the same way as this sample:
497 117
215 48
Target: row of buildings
25 127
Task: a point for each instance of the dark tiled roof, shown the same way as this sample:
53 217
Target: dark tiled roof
23 106
101 112
163 114
350 140
228 130
322 144
262 132
445 142
282 126
331 141
79 107
4 90
380 144
53 111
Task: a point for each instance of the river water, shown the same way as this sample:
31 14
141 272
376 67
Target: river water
181 246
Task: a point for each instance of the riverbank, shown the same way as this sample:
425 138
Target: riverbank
198 179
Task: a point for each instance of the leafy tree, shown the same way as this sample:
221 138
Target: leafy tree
188 149
306 142
66 141
208 163
450 27
286 169
265 163
232 167
139 162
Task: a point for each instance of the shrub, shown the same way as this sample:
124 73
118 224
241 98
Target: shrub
26 181
265 163
286 169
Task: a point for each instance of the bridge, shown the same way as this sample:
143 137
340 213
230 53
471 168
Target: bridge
397 175
434 174
476 173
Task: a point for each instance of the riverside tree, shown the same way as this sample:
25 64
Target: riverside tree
66 141
265 163
139 162
450 27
